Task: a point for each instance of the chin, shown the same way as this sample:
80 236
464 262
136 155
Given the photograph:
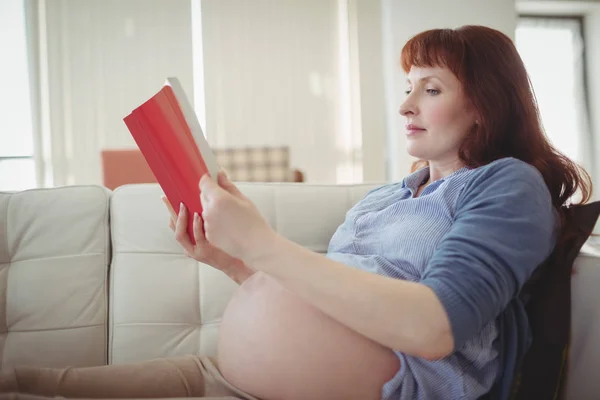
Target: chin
417 151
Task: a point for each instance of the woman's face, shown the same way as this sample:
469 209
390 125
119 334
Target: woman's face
438 114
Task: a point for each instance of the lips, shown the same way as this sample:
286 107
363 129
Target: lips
412 129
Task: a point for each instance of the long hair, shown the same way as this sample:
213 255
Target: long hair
497 84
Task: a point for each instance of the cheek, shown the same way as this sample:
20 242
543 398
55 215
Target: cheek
449 118
440 115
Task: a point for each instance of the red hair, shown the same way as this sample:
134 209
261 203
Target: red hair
496 83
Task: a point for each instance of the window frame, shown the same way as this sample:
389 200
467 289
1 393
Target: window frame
580 19
584 56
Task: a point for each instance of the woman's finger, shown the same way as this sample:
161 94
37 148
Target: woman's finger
198 229
169 207
172 216
229 186
203 199
166 202
181 234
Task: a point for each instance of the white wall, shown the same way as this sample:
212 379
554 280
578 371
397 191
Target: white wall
276 74
369 81
99 60
406 18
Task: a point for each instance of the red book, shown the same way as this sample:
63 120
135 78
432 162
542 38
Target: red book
167 132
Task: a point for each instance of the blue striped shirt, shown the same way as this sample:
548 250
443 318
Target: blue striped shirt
474 238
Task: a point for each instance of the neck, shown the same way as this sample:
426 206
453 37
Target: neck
441 169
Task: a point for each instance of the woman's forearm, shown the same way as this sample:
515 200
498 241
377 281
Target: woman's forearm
240 275
237 271
401 315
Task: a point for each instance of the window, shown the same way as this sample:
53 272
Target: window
553 52
17 166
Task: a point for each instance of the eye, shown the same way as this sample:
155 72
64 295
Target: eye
407 92
433 91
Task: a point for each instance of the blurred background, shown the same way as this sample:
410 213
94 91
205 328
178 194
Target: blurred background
317 83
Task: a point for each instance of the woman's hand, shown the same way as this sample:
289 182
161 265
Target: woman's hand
232 222
203 251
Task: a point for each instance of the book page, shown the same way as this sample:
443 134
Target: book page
192 121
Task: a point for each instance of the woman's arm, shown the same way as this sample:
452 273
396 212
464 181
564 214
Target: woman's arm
401 315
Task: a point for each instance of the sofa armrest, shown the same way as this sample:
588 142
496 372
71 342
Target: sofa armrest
54 257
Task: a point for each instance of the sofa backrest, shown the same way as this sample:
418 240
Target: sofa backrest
54 256
162 302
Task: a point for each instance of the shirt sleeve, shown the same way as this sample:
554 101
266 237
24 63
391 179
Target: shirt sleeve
504 227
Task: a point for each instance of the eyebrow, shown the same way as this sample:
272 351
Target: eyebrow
425 78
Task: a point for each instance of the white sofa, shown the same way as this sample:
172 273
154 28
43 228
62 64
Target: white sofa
90 277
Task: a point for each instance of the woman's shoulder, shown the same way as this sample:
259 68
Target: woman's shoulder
507 178
507 172
509 168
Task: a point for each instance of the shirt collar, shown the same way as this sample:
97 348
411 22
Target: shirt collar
416 179
420 176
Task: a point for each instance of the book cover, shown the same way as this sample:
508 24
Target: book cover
167 132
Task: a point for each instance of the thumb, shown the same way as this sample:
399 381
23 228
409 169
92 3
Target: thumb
208 186
226 184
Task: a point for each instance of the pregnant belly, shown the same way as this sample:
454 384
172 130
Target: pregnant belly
275 346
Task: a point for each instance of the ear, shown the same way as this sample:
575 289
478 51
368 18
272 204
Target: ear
476 116
476 122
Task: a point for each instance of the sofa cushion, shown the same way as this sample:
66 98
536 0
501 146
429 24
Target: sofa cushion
54 255
584 354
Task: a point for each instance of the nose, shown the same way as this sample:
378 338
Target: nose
407 107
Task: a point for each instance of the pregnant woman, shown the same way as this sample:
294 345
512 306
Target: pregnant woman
409 301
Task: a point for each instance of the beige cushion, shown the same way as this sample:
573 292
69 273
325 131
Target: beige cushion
255 164
54 255
163 303
584 361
